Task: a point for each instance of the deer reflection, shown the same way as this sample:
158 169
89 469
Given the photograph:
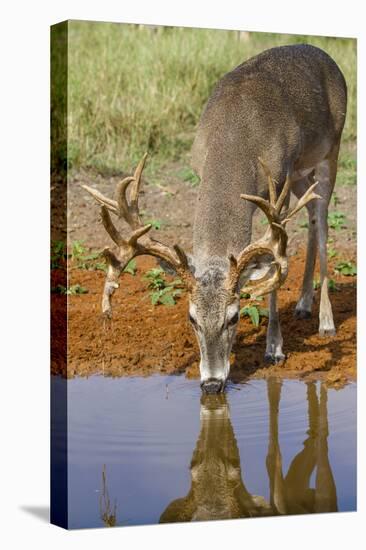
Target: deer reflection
292 494
217 487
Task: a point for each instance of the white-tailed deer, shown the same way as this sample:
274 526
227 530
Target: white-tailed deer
272 124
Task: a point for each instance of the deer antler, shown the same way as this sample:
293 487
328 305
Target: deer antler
274 241
138 242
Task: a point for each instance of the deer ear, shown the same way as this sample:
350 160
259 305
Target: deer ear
169 269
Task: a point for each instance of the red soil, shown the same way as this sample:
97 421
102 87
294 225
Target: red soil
143 339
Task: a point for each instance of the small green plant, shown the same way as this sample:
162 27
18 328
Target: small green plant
255 313
189 176
89 261
78 250
346 268
71 290
80 258
332 253
94 260
161 291
131 267
58 254
336 220
156 224
331 284
155 278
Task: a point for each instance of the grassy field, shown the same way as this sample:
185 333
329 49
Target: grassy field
133 90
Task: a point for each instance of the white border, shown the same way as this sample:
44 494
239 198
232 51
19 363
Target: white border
24 232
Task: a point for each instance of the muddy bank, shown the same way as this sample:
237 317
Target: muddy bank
143 339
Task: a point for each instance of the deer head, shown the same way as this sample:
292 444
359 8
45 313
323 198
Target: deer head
214 292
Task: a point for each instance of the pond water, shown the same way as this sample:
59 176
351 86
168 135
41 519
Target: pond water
150 450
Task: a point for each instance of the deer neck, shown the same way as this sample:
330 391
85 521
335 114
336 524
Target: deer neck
223 222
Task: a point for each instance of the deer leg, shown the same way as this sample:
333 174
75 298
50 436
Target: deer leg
325 173
304 305
326 323
274 352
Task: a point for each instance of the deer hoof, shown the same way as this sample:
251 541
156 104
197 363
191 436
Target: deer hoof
327 332
274 358
302 314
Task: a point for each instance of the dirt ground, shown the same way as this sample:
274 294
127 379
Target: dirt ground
171 201
143 339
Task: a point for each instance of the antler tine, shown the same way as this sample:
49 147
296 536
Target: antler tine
271 208
271 183
134 197
285 190
110 227
264 205
101 199
139 232
123 206
129 209
308 196
182 257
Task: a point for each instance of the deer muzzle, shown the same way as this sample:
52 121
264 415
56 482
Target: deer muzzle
212 385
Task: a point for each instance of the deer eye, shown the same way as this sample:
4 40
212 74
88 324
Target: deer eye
234 319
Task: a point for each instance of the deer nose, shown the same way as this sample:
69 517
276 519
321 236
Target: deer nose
212 385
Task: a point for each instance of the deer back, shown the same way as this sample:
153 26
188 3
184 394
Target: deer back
286 105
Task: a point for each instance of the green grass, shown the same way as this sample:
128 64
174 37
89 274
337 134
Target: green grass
337 220
188 175
347 168
131 90
162 291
